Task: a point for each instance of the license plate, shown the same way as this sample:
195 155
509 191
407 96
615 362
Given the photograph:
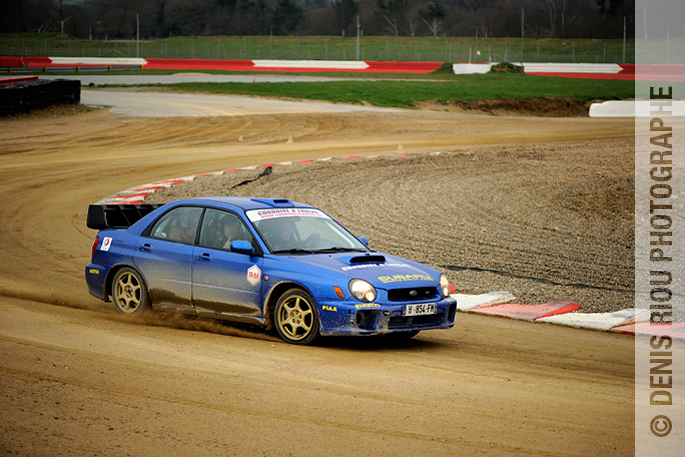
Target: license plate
419 310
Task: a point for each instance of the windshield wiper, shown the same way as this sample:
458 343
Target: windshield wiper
293 251
338 249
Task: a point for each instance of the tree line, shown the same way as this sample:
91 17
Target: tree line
150 19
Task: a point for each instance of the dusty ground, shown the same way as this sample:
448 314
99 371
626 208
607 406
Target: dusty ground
79 380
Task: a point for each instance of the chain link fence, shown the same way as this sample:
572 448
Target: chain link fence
332 48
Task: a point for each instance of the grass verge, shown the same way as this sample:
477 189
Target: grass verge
403 94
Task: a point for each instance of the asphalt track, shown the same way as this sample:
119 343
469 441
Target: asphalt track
150 104
79 380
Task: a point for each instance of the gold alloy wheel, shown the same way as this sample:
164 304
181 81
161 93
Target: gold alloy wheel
296 318
128 293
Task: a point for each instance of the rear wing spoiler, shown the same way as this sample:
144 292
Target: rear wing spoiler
117 216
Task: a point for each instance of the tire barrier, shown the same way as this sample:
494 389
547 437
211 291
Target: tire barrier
26 96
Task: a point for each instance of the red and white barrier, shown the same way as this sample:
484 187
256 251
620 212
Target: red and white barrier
227 65
99 61
68 61
294 65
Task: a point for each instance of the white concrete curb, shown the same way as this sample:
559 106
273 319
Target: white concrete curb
599 321
468 302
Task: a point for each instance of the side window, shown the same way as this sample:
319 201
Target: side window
219 228
179 225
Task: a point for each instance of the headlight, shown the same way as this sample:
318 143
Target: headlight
444 286
362 290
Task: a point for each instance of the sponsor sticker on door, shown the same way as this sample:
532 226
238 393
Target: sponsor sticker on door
254 274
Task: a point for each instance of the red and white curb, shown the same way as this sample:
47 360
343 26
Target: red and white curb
565 312
468 302
137 195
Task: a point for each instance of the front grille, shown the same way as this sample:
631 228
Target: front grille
411 294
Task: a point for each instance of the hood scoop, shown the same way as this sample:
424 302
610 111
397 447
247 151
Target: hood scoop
367 259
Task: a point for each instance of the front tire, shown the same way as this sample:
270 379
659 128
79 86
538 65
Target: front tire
296 318
129 292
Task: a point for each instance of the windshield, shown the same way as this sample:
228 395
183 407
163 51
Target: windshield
302 231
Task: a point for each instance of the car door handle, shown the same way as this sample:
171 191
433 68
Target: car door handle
146 247
206 257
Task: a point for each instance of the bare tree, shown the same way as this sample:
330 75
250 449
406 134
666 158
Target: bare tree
394 14
562 11
550 8
433 17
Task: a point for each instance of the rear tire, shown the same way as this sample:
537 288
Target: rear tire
129 292
296 317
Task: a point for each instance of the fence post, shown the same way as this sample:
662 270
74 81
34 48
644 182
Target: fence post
573 51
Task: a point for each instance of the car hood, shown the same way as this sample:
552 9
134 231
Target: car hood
381 270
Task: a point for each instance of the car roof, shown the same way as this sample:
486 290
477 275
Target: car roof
248 203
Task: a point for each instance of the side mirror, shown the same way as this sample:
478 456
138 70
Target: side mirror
364 240
242 247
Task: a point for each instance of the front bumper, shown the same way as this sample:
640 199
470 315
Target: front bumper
376 319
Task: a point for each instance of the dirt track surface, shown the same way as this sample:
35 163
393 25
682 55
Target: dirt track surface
79 380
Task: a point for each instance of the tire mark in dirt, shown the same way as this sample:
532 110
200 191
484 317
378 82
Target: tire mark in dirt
128 391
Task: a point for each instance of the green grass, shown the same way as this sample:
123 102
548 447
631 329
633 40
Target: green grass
389 93
376 48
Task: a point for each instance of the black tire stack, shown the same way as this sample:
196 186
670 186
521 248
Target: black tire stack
27 96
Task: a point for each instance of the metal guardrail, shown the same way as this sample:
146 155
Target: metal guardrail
67 70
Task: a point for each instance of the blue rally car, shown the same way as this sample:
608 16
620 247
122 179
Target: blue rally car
270 262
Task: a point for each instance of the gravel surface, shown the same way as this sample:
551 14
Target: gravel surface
545 221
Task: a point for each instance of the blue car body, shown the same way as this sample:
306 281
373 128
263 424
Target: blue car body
244 282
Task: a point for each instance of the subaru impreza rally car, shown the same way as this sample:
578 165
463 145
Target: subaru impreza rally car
270 262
